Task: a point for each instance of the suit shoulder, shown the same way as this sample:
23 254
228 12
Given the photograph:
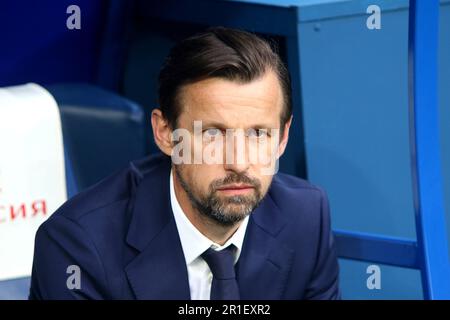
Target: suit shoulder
287 181
297 197
113 190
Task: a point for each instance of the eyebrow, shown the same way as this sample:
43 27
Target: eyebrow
208 124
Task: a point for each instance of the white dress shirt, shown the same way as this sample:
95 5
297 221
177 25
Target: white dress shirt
194 243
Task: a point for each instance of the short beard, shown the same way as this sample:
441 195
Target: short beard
217 209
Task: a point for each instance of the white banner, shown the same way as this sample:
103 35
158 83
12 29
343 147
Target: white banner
32 176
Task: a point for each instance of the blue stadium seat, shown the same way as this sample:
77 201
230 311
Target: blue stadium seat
102 132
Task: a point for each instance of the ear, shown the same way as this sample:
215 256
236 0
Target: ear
162 132
284 138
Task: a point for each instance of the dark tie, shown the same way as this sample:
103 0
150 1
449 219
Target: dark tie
224 285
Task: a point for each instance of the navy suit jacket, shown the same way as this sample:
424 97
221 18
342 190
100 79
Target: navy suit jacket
122 235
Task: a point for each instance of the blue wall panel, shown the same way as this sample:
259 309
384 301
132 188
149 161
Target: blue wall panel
354 89
444 103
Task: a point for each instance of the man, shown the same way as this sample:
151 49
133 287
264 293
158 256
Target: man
206 219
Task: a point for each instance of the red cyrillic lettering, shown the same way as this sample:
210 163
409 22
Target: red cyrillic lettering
39 206
21 209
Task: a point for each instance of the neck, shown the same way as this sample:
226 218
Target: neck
208 227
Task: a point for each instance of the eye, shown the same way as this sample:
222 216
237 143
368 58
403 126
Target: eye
212 132
259 133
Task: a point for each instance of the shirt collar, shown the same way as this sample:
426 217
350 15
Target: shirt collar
193 242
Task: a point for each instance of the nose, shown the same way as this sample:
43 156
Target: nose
236 153
237 167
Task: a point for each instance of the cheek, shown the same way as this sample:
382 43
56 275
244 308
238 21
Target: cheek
265 183
264 151
201 176
188 174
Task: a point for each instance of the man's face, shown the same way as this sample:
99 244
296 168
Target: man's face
227 191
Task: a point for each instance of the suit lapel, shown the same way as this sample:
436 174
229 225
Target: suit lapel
265 262
159 270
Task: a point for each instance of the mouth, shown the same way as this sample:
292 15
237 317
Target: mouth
236 189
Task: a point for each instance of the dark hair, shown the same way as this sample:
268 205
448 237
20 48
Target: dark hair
219 52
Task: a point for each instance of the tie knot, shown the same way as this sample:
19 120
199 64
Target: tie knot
221 262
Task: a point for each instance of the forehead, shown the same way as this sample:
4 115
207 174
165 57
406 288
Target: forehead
233 104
